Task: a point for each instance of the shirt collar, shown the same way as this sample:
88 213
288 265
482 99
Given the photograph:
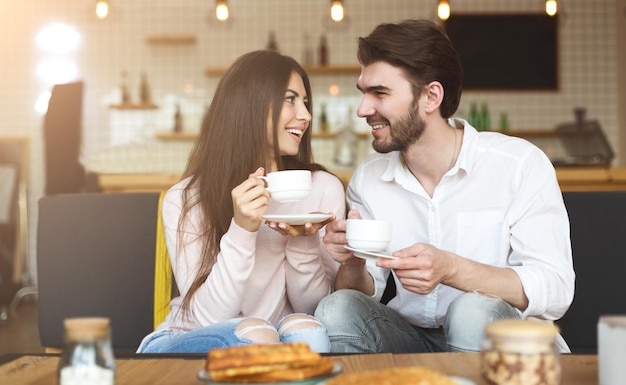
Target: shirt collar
396 166
469 145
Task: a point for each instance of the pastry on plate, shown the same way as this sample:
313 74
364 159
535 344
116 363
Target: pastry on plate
267 363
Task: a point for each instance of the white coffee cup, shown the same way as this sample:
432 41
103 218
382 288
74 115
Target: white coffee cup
368 234
288 185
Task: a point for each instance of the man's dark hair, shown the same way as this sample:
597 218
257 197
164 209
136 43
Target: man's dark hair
423 51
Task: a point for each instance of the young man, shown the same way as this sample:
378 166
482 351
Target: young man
480 230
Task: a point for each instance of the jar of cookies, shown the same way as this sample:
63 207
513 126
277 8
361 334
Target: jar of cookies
521 352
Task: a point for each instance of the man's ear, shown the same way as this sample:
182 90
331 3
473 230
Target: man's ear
434 96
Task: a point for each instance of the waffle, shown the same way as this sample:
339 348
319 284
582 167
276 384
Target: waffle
266 363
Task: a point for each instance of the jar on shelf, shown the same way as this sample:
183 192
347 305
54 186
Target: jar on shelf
521 352
87 357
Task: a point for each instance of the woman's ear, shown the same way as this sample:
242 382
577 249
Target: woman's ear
434 96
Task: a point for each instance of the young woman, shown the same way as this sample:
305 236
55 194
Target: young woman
242 281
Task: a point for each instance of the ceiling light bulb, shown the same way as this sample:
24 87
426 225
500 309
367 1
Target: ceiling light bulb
102 9
551 7
221 10
336 10
443 10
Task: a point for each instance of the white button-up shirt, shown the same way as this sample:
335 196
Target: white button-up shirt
499 205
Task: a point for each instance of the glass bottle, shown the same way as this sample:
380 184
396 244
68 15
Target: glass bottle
178 120
474 119
322 51
504 122
144 89
272 45
519 351
124 89
485 121
307 51
87 357
347 144
323 119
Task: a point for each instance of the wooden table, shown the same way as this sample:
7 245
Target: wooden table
150 370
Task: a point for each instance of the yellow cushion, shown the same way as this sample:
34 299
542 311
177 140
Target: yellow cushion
162 273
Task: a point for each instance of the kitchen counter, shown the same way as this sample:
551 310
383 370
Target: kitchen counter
570 179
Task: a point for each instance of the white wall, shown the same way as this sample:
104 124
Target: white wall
588 64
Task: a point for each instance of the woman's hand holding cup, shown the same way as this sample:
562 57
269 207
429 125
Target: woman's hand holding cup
250 201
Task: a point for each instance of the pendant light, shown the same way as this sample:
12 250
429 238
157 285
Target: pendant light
221 10
102 9
336 10
443 10
551 7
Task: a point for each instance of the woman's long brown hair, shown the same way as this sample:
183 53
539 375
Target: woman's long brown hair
232 144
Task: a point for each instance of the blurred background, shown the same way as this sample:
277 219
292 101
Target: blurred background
147 70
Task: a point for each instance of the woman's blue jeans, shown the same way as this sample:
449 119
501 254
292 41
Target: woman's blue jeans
358 323
222 335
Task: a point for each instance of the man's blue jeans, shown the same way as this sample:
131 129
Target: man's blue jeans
358 323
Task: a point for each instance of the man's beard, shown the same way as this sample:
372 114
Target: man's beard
403 133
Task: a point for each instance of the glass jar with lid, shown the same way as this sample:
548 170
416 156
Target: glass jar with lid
521 352
87 357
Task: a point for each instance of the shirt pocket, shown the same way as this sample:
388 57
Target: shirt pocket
481 236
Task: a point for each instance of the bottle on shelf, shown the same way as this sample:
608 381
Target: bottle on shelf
144 90
474 119
485 121
322 51
307 51
347 143
323 119
178 120
272 45
87 356
504 122
125 93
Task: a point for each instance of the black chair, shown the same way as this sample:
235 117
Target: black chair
598 233
96 257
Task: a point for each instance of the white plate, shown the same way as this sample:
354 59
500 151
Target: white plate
204 376
364 254
462 381
297 219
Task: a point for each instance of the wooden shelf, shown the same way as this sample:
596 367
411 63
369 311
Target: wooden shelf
333 135
311 70
333 70
171 136
134 106
171 39
522 133
361 135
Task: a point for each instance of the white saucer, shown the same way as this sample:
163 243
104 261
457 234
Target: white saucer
364 254
297 219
